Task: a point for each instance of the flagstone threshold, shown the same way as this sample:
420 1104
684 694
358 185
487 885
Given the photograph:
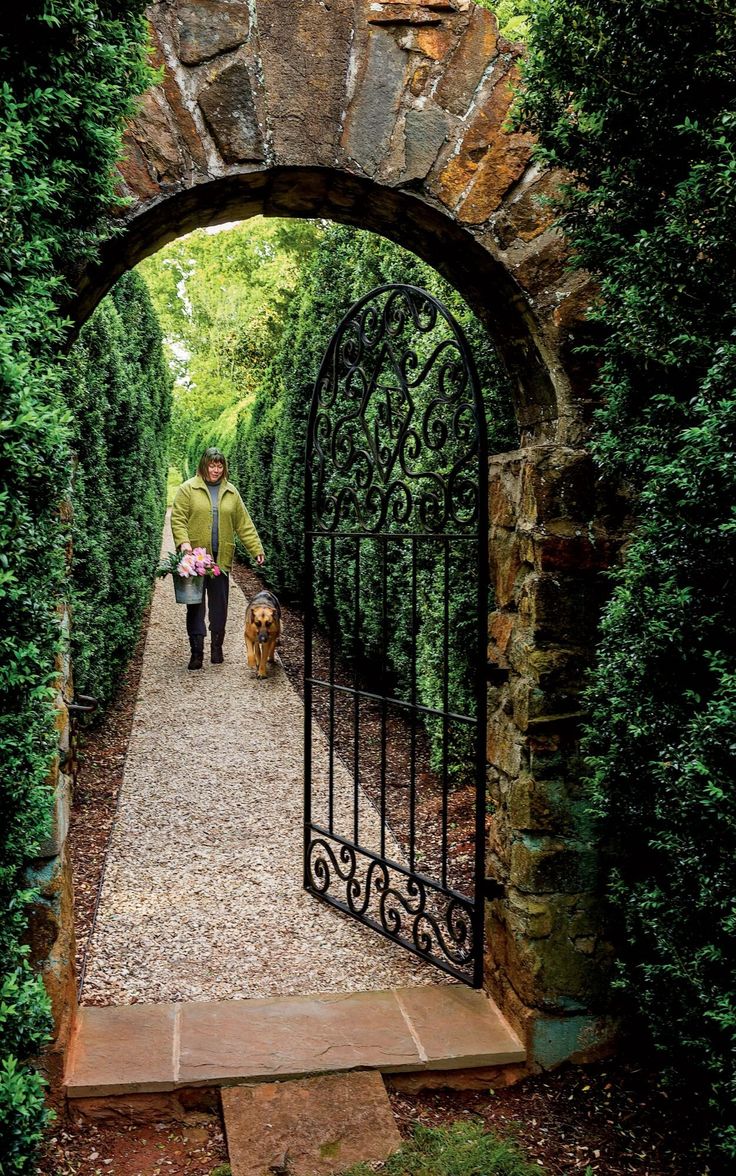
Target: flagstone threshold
144 1048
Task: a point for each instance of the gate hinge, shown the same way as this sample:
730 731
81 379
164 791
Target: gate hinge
492 888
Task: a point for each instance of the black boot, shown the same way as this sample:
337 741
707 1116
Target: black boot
216 656
197 644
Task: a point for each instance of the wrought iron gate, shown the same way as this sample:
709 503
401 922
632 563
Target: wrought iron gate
396 573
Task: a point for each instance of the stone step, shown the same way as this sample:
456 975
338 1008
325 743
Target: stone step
309 1126
167 1047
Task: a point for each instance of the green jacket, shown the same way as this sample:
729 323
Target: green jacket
191 520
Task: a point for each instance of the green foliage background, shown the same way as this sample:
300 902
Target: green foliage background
220 298
268 463
118 388
67 72
637 100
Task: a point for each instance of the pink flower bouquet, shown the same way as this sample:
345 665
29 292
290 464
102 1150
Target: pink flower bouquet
188 563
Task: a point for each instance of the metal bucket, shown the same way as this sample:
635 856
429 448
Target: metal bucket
188 589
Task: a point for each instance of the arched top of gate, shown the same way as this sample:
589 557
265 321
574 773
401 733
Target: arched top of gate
396 440
384 115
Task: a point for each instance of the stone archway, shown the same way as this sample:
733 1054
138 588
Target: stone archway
385 115
389 115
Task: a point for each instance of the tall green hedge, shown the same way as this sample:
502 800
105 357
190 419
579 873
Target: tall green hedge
67 73
637 100
118 388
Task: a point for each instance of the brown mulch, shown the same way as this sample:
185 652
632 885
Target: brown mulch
610 1119
82 1148
103 748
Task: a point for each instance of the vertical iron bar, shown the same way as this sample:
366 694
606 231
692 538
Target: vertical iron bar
332 597
308 630
356 704
445 703
384 683
481 694
413 745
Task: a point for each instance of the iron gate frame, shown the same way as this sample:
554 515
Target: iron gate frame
469 970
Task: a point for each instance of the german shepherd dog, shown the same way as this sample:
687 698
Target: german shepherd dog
262 630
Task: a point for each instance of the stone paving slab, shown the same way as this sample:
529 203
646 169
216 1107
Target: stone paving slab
454 1029
309 1127
147 1048
284 1038
124 1050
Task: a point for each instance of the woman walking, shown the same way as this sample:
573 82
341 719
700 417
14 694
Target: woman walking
209 512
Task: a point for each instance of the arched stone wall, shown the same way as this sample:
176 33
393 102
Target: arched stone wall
389 115
378 113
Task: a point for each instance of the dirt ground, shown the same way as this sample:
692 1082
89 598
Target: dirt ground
609 1120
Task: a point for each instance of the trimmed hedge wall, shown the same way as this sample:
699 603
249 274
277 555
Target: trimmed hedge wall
637 100
118 388
68 72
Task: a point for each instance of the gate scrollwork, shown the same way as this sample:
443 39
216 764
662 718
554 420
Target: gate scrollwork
396 514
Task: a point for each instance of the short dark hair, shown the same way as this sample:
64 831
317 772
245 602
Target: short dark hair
211 454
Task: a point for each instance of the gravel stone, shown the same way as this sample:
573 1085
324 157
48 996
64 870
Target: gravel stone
202 896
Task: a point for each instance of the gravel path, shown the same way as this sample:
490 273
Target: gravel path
202 896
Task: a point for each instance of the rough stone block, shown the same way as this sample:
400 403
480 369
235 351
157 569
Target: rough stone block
529 915
504 745
227 104
571 549
425 131
502 502
156 133
503 163
558 483
507 567
489 159
528 212
468 64
540 267
500 630
554 751
433 42
50 936
209 27
562 607
371 116
530 808
54 843
541 865
297 42
581 1039
482 1078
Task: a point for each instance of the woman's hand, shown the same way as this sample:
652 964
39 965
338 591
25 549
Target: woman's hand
260 559
185 546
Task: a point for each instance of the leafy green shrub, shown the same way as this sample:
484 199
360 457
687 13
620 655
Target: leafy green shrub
67 75
637 101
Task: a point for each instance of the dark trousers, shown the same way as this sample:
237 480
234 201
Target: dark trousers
214 598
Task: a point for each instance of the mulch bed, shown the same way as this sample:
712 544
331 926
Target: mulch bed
609 1119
